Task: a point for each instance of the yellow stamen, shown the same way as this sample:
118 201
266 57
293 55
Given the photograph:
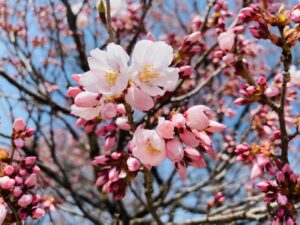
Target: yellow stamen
148 73
111 77
151 149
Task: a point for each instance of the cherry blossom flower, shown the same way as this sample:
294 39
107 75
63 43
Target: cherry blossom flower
149 147
150 67
226 40
108 73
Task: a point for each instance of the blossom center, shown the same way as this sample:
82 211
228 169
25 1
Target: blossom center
111 77
151 149
148 73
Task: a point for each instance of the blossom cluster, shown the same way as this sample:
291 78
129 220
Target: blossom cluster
18 179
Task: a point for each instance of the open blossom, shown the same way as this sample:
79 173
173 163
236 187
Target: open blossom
150 67
226 40
108 73
149 147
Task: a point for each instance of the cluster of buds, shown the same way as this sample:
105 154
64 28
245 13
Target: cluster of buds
186 136
253 93
109 132
115 172
20 133
17 183
190 46
250 13
285 192
260 157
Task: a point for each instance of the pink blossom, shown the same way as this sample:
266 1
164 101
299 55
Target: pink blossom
178 120
149 147
25 200
271 91
122 123
19 125
6 183
226 40
174 150
150 67
256 171
86 99
189 138
133 164
137 98
108 73
215 127
87 113
109 144
195 157
108 111
165 128
38 213
31 180
282 199
196 117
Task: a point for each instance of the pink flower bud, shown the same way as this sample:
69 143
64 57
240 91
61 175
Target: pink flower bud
174 150
193 37
100 181
121 109
196 117
255 172
100 160
228 58
178 120
186 71
6 183
73 92
108 111
133 164
271 91
195 157
139 99
18 180
189 138
226 40
29 161
31 180
263 186
36 169
19 142
262 80
282 199
122 123
215 127
38 213
29 132
86 99
109 144
19 125
240 101
25 200
165 128
290 220
9 170
17 192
